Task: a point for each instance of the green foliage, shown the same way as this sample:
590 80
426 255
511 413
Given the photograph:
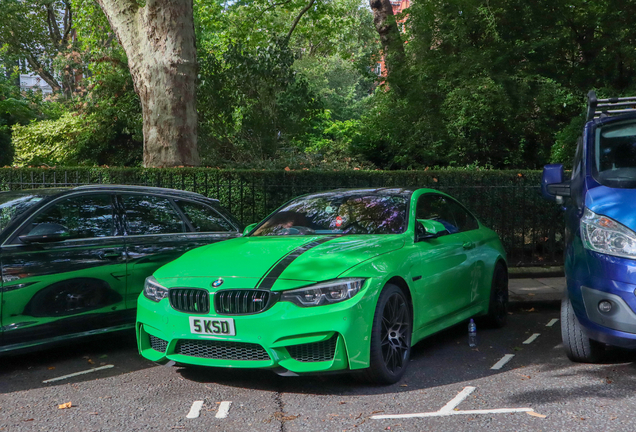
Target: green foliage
251 102
487 87
19 108
341 84
73 139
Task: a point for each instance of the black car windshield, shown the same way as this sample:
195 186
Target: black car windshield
615 155
13 204
339 213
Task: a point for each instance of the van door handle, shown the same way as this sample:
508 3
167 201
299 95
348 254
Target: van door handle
468 245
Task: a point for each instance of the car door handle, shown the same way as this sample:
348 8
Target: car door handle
468 245
109 254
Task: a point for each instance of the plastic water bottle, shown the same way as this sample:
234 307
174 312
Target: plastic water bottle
472 334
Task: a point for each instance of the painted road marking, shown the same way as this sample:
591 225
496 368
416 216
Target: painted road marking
457 400
505 359
195 410
63 377
531 339
552 322
224 409
449 409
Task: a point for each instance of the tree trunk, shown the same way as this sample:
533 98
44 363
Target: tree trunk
159 41
392 45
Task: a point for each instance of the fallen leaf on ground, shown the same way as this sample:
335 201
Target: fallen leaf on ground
65 405
535 414
91 361
51 367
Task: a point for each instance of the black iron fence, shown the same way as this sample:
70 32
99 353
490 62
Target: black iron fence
507 201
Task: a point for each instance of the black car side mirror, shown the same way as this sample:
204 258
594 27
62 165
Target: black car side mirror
44 238
46 233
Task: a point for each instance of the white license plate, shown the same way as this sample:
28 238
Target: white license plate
212 326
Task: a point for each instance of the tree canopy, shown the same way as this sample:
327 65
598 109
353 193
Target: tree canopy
496 84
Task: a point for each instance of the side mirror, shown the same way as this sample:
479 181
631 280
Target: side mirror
431 229
46 233
552 185
44 238
249 228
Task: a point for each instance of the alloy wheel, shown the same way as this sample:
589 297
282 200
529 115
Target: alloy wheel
395 333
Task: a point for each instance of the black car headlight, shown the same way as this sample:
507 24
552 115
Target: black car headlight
153 290
324 293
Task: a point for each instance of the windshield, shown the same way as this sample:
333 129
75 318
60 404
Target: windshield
13 204
615 155
338 213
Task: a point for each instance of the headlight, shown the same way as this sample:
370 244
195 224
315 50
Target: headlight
153 290
323 293
605 235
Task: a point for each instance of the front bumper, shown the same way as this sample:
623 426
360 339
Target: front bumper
593 277
301 340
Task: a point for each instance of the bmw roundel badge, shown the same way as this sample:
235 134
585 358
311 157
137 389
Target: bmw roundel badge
217 283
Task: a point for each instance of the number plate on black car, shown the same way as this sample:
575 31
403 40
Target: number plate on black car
212 326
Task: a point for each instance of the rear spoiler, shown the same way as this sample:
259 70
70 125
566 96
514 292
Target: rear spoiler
607 107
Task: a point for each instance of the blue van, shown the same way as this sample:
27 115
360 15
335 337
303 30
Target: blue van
599 305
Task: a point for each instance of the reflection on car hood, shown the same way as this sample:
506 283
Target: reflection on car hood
615 203
267 259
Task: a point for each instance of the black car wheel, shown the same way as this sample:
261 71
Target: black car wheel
498 306
390 337
578 346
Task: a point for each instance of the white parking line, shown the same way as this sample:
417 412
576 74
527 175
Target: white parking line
531 339
552 322
457 400
195 410
449 409
505 359
224 409
63 377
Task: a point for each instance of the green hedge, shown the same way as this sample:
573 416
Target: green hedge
507 201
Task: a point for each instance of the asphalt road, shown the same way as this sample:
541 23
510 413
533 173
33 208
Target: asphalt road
444 371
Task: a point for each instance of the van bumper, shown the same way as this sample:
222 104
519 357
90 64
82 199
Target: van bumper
593 278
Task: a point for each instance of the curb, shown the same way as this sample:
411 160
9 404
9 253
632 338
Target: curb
535 272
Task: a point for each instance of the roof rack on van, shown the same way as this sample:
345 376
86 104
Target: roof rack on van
598 107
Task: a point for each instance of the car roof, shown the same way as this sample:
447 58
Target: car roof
115 188
134 188
374 191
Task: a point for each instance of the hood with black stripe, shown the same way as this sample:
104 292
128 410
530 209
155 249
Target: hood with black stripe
266 260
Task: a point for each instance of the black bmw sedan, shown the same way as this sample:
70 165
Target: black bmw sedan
74 260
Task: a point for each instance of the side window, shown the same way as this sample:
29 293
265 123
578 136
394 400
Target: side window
82 216
437 208
203 218
465 221
148 214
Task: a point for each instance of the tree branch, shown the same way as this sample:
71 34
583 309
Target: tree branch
299 16
120 13
54 29
68 21
44 74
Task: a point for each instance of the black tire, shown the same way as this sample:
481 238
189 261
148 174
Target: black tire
390 338
498 307
578 347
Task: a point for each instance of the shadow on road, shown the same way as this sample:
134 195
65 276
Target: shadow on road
439 360
27 371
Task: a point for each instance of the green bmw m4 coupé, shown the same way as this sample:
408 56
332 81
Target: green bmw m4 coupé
333 281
